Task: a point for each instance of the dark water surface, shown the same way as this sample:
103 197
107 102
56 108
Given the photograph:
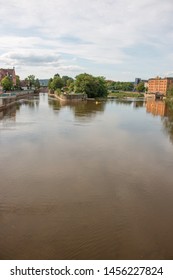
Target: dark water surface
86 181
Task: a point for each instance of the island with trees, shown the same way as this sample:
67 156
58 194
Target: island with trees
92 86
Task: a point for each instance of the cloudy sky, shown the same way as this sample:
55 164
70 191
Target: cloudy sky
118 39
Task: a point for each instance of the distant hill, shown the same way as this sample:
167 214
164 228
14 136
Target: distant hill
44 82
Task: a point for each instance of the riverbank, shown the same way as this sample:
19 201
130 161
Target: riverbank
10 98
125 94
68 97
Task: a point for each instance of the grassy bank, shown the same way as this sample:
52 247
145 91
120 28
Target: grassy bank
123 94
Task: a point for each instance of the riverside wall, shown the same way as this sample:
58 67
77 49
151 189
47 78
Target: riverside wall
69 97
10 99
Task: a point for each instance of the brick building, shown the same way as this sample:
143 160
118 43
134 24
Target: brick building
159 85
10 73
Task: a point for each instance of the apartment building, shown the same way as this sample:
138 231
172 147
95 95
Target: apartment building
159 85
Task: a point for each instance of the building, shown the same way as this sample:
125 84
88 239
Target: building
159 85
9 73
137 81
23 85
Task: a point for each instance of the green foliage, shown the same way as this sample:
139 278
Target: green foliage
122 94
67 80
170 92
58 92
32 81
49 83
37 83
17 82
56 75
70 87
55 83
124 86
140 87
90 85
6 83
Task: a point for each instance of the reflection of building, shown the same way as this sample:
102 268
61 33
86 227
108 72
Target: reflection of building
159 85
9 73
156 108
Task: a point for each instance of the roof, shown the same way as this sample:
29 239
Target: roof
7 71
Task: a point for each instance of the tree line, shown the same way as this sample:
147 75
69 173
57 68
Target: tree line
30 82
93 86
83 83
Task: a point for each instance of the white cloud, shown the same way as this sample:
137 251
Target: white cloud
97 30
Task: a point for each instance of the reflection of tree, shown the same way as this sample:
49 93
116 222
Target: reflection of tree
54 103
31 103
81 109
87 109
138 104
168 120
9 113
124 102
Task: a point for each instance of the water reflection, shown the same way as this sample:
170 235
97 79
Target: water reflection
165 111
124 102
138 104
156 108
101 190
85 110
168 120
9 113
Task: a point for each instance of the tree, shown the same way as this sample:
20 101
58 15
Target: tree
30 81
56 75
170 91
17 82
101 87
37 83
90 85
55 83
6 83
66 79
49 83
140 87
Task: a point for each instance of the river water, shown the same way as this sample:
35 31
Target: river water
88 180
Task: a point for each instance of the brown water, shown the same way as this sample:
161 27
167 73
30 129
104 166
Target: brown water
86 180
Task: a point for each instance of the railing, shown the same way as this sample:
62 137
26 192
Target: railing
7 94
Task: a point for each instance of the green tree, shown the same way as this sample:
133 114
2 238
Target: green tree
6 83
92 86
49 83
30 81
37 83
101 87
140 87
56 83
17 82
70 86
66 79
170 91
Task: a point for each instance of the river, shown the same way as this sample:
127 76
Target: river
87 180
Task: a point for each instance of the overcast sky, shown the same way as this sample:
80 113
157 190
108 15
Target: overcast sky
118 39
